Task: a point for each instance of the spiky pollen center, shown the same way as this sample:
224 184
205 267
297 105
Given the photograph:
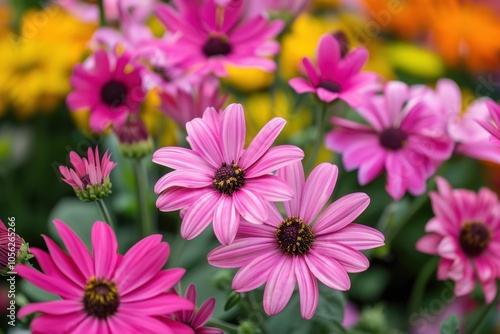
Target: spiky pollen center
114 93
217 46
393 138
229 178
474 238
101 299
329 86
294 236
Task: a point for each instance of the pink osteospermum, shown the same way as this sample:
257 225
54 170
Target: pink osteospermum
183 105
493 125
110 87
103 292
404 137
197 319
472 139
465 233
338 76
217 180
212 36
302 247
89 176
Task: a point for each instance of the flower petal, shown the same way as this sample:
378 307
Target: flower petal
250 206
233 132
270 187
226 220
280 286
275 158
308 288
294 175
204 142
199 215
328 271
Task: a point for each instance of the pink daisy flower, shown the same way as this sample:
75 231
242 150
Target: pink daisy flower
89 11
212 35
338 75
493 125
89 176
197 319
465 233
110 87
217 180
103 292
183 105
471 138
303 246
404 137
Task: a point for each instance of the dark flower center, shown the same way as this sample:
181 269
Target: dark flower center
85 180
229 178
474 238
393 138
343 42
162 73
329 86
216 46
294 236
114 93
101 298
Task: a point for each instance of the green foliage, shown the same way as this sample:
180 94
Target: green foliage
450 325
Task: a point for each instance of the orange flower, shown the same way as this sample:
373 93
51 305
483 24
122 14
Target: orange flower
466 33
403 18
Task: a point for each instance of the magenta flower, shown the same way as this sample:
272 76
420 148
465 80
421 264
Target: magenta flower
217 180
472 139
212 35
493 125
103 292
304 246
183 105
339 75
110 88
196 319
465 233
10 244
404 137
89 176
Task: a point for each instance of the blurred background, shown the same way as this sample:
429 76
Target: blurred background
416 41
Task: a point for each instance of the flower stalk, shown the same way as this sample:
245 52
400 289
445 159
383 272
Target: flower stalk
142 196
105 213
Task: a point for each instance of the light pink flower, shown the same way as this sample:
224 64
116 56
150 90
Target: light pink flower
338 77
493 125
197 319
89 11
303 246
110 87
217 180
472 139
404 137
465 233
89 176
211 36
103 291
183 105
294 7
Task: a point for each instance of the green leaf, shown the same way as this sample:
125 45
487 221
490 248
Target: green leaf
450 325
233 300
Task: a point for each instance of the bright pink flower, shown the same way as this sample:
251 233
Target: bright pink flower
339 76
465 233
10 243
196 319
89 176
303 246
183 105
404 137
217 180
110 87
493 125
472 139
103 291
212 36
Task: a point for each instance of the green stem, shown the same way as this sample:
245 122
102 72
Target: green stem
419 287
142 195
102 13
105 213
252 307
225 326
477 325
319 138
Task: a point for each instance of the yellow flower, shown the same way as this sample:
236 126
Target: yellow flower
159 126
36 65
415 60
248 79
